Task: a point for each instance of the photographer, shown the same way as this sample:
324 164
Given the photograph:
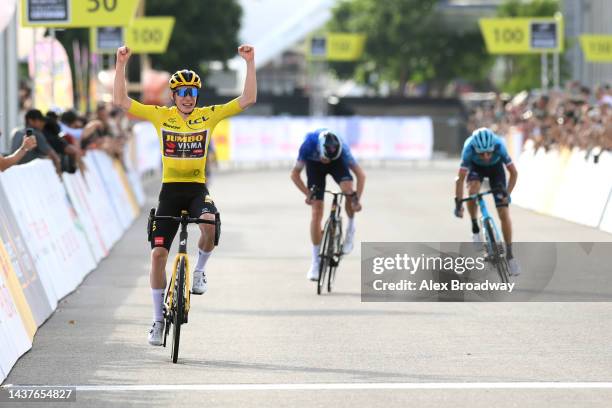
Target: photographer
28 143
70 155
35 122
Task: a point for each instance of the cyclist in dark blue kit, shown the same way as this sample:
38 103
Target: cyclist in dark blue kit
485 155
323 153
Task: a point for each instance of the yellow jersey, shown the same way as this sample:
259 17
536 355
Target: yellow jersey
184 143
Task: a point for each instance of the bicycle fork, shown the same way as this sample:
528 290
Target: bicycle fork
182 254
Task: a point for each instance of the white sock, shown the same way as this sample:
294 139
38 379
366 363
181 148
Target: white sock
315 253
350 228
158 304
202 259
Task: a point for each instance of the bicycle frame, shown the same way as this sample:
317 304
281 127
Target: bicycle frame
183 220
484 211
182 253
336 205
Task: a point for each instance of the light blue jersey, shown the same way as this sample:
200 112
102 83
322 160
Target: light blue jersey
470 157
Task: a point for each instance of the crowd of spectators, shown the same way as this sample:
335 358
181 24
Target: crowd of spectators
66 137
573 117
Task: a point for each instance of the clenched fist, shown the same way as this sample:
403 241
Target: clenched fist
247 52
123 54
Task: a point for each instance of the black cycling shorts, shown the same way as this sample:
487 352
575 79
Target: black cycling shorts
316 172
497 179
174 198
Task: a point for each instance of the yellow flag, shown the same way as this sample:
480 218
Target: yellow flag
596 48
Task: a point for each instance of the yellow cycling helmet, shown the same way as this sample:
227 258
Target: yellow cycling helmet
185 77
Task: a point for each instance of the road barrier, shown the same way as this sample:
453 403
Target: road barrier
571 184
245 140
53 232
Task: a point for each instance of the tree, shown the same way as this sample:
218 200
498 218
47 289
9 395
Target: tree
204 31
408 40
523 71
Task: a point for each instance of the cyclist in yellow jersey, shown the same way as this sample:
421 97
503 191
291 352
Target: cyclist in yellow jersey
184 132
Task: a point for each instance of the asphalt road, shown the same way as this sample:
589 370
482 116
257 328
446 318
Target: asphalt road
262 337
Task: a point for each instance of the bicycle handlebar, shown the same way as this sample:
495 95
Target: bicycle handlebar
476 196
314 190
185 219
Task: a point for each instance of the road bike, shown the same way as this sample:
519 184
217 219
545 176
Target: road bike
177 299
495 248
330 253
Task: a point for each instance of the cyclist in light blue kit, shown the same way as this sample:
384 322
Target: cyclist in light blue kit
323 153
485 155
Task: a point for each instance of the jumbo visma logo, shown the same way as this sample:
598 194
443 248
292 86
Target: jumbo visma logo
185 139
184 145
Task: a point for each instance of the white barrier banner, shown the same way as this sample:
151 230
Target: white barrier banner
32 221
148 155
80 200
114 190
388 138
605 161
14 340
66 227
110 228
567 184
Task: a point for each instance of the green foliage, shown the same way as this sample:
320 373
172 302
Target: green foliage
534 8
524 70
204 31
408 40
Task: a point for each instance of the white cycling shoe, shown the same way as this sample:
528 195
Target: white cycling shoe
200 284
513 267
156 334
313 272
347 245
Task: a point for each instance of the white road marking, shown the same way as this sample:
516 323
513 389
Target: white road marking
343 386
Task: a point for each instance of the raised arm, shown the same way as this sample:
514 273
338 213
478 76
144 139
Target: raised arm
249 93
120 95
28 143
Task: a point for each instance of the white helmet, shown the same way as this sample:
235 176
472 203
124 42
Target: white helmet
330 146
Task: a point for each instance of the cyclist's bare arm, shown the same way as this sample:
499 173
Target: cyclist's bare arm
361 177
513 177
249 93
297 178
120 95
459 182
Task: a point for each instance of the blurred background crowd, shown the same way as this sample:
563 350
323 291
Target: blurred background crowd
576 116
64 137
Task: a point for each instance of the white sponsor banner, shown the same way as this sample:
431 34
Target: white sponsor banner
584 191
67 227
388 138
32 221
148 154
605 161
136 184
116 192
49 225
14 340
101 205
80 200
566 184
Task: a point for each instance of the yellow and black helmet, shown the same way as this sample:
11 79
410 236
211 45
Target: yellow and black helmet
185 77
